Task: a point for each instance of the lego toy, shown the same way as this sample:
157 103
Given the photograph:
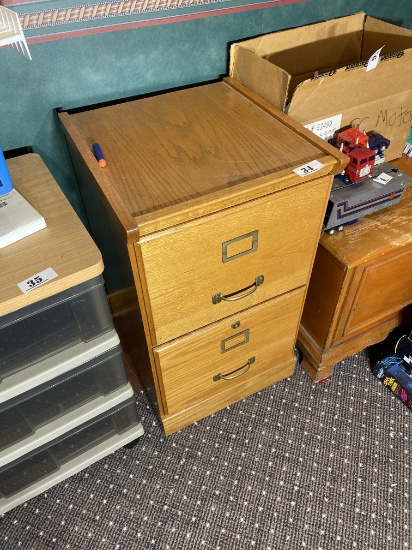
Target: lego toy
364 152
368 183
349 202
395 371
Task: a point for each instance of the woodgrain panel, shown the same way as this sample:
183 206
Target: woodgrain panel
63 245
170 148
324 292
361 286
184 269
188 365
188 171
384 288
218 401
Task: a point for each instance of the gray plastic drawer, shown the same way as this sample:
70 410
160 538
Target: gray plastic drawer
22 416
49 326
25 380
49 464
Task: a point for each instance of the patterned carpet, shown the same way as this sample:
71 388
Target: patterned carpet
297 465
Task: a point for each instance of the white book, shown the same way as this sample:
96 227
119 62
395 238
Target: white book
18 218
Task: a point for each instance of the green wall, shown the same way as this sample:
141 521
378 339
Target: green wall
90 69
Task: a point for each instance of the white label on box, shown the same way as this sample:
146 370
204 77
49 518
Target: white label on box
383 178
373 60
408 149
309 168
37 280
325 128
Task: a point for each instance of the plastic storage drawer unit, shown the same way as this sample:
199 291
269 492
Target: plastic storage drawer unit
22 416
35 472
49 326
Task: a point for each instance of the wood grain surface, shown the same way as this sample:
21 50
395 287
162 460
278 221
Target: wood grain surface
63 245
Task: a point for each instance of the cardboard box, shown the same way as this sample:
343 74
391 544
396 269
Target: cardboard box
396 375
319 71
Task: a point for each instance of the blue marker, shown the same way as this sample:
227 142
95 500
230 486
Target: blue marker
97 150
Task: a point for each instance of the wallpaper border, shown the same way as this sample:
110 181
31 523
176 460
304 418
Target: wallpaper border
46 20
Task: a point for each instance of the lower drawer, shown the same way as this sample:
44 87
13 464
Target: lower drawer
33 473
22 416
228 353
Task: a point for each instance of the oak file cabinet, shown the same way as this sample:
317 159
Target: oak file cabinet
200 210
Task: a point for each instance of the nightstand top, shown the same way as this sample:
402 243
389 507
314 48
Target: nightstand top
64 245
377 234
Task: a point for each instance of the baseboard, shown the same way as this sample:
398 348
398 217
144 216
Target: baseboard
121 301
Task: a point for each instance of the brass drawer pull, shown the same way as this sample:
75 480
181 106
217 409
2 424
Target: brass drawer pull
235 373
218 297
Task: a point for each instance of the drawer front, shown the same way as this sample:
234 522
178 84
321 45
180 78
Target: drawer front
202 272
229 353
382 289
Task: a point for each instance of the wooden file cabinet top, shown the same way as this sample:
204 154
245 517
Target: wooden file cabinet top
179 156
220 230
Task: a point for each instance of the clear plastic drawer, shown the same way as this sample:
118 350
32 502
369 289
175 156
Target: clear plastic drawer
21 474
49 326
22 416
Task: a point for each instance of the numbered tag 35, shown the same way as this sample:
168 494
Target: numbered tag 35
37 280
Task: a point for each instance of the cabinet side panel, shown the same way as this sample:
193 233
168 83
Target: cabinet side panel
111 239
323 296
385 287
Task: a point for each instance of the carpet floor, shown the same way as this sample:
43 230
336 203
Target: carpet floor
298 465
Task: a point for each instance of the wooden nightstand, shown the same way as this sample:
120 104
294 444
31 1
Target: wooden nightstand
200 211
361 286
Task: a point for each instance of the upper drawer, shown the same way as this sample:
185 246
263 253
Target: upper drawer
204 271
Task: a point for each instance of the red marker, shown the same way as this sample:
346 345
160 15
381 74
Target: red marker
99 154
